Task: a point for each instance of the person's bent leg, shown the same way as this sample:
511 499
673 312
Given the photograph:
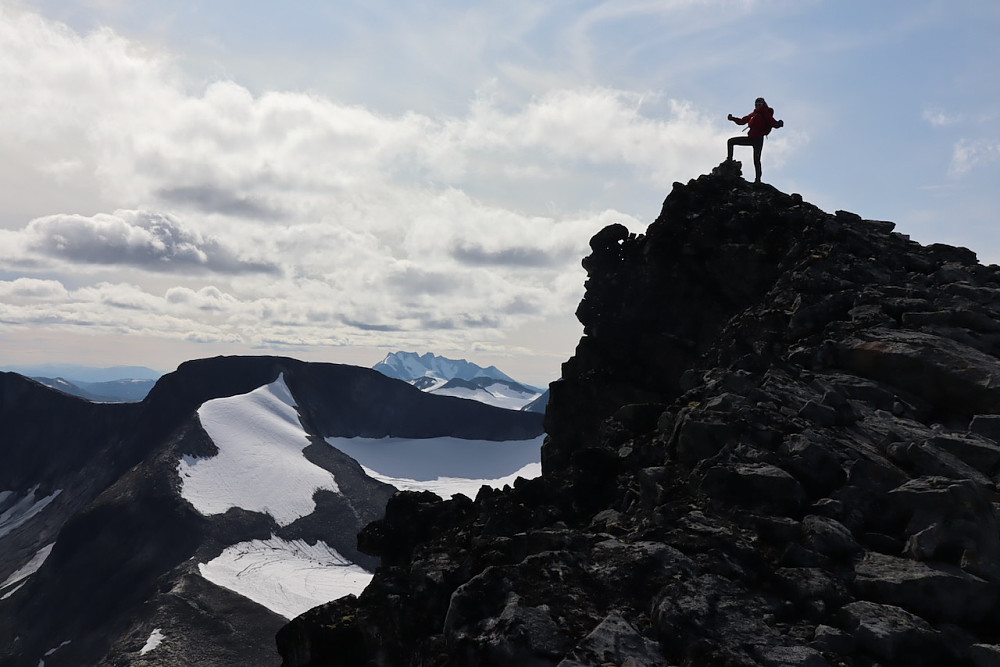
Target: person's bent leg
737 141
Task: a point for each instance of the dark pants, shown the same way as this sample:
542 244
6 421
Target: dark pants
758 146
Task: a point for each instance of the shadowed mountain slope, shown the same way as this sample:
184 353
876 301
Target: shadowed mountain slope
110 513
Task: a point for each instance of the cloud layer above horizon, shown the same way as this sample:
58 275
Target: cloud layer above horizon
383 176
289 219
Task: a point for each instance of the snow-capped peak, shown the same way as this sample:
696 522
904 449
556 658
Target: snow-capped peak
409 366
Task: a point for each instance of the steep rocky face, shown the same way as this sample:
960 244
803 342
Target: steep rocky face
777 444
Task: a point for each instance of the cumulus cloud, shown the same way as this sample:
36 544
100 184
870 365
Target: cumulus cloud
103 307
32 289
226 150
209 298
291 219
99 104
154 241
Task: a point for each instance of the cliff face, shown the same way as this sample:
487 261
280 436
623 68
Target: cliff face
776 444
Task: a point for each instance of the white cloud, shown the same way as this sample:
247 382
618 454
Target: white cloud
152 241
939 118
208 298
969 155
33 289
283 155
283 219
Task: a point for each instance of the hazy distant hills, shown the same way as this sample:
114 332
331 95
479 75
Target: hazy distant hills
115 384
78 373
111 391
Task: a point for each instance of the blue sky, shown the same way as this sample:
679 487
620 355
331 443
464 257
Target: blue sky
334 181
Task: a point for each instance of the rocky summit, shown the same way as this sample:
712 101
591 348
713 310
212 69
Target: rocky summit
776 444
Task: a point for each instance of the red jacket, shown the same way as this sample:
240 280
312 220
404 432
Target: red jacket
761 121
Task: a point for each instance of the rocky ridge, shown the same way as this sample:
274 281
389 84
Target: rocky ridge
777 444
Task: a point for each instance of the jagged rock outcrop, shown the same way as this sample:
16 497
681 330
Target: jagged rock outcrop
776 444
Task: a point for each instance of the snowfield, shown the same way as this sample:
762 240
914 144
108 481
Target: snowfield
288 578
498 395
260 466
444 465
23 509
26 571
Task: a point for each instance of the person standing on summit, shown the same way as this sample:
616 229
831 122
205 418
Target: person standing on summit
761 121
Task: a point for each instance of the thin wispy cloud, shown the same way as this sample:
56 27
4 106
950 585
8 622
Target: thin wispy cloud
969 155
939 118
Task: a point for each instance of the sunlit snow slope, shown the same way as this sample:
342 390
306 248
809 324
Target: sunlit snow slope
260 465
499 395
286 577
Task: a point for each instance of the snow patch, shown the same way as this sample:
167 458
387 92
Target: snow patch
50 652
444 465
428 383
500 389
155 639
26 571
260 466
12 591
23 510
288 578
497 395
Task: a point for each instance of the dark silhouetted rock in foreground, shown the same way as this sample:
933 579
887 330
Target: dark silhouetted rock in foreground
776 444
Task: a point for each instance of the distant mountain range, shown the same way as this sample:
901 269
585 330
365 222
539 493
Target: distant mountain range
115 384
78 373
462 379
186 529
112 391
428 372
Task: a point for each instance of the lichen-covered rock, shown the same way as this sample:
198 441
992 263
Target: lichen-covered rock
776 444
